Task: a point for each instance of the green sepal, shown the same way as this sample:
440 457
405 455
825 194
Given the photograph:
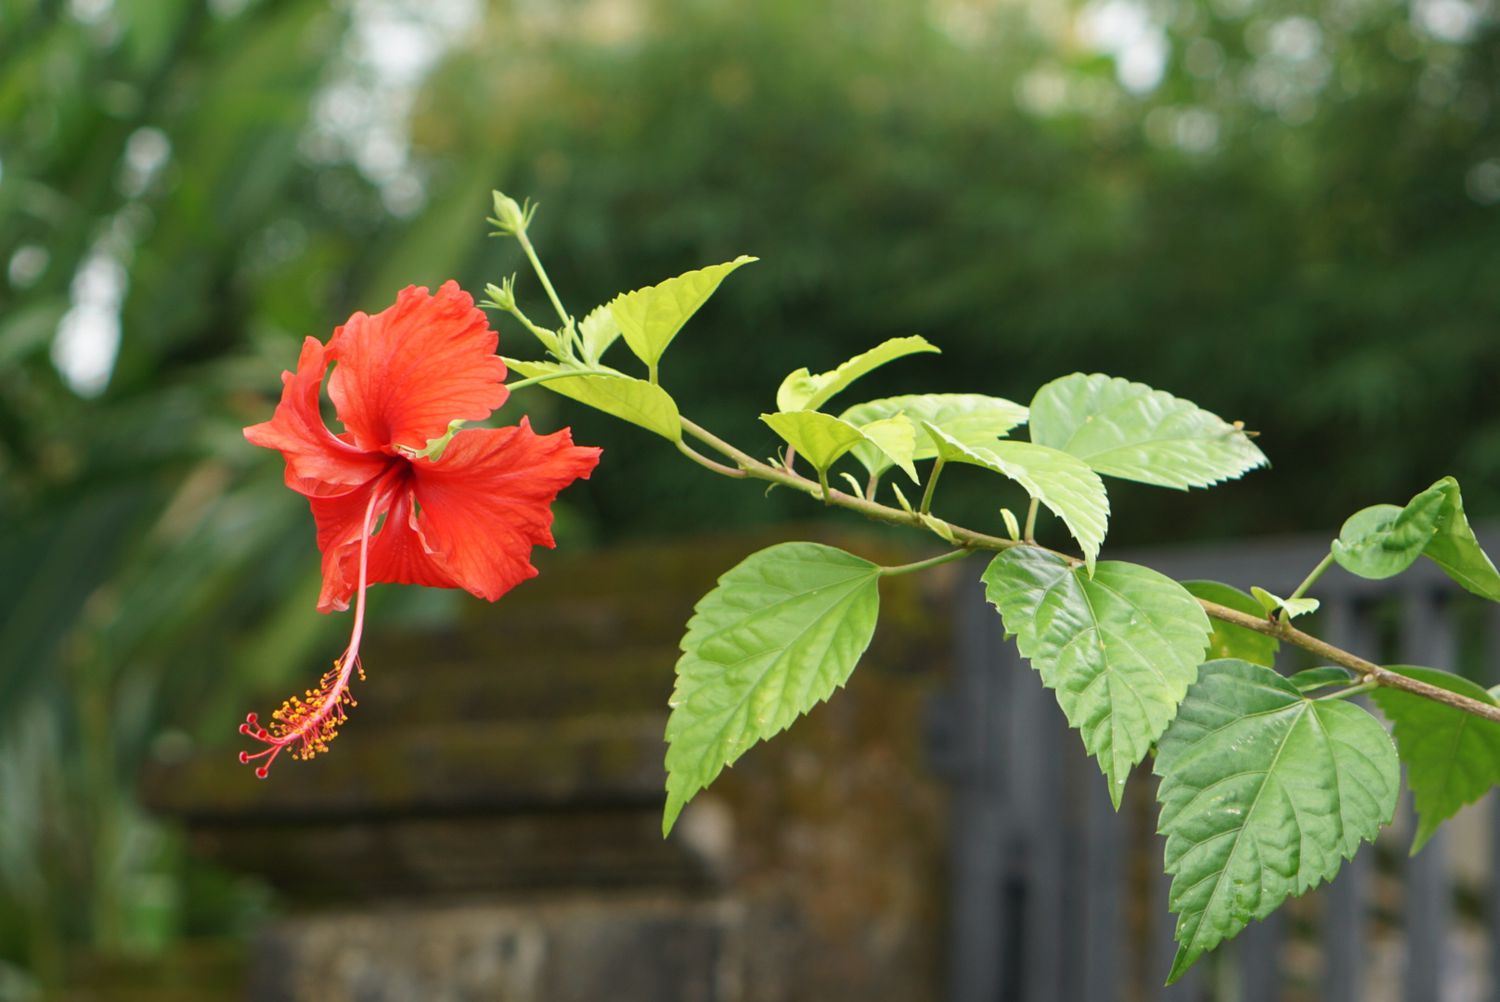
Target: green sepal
802 390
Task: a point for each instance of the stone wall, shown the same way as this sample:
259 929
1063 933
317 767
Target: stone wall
488 826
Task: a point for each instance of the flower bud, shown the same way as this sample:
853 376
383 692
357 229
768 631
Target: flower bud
509 215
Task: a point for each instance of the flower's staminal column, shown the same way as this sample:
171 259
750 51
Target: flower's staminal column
308 725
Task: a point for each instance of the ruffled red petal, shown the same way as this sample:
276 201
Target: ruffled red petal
340 522
318 463
487 502
406 372
398 552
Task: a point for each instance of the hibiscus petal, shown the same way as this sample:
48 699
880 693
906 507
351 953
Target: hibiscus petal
398 553
406 372
487 502
340 522
318 463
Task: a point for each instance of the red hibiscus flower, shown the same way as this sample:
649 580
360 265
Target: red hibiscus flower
384 513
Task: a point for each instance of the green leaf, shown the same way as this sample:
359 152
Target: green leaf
1452 757
804 391
895 438
1384 540
970 418
1228 640
1069 489
936 525
1264 794
819 438
782 630
598 330
626 397
1293 607
1119 648
1313 679
650 318
1128 430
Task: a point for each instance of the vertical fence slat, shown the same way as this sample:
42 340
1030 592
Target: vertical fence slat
1190 987
1427 638
1103 914
1346 900
1258 950
1036 763
979 801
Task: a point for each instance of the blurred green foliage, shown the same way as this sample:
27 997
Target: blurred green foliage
1297 225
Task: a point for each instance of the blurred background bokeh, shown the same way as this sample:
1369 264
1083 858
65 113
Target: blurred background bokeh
1289 213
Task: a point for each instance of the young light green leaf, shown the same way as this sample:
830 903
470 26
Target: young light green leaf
1384 540
1228 640
941 529
1452 757
819 438
598 331
1314 679
970 418
1069 489
1293 607
626 397
896 439
1119 648
1263 794
854 485
804 391
901 498
780 632
650 318
1128 430
1012 527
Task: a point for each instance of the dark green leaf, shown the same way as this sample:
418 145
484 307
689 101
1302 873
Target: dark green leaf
1264 794
1452 757
1119 648
1228 640
779 633
1313 679
1384 540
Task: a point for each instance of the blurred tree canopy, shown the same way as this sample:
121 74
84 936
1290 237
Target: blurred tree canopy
1289 215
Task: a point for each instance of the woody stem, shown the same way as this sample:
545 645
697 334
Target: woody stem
969 539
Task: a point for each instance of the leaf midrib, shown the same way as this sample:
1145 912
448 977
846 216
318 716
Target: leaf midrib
1250 814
